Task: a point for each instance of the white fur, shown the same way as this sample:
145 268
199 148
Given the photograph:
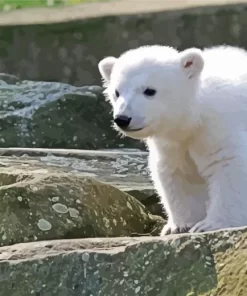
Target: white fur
195 127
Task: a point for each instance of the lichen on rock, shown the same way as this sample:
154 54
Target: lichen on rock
38 204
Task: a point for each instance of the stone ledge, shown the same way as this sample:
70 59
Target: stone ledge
100 9
209 264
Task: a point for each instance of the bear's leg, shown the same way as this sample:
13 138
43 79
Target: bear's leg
227 184
184 202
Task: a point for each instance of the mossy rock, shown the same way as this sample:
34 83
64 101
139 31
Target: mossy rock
45 203
56 115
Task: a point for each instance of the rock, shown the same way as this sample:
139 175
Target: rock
56 115
122 168
150 199
210 264
8 79
45 202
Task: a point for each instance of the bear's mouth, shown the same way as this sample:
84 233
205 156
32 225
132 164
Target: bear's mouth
131 130
136 133
134 129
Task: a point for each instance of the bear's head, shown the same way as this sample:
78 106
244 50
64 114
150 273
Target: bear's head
152 89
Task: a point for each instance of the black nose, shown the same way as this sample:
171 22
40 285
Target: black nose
122 121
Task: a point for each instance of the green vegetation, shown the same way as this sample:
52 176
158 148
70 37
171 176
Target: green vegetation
6 5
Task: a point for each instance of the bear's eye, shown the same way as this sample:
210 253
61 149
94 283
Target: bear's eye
116 93
149 92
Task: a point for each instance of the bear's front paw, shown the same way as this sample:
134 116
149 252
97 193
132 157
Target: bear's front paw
208 225
171 228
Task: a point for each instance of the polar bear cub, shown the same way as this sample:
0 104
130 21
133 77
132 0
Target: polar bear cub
190 108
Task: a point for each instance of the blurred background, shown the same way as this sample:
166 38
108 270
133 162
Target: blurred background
63 40
7 5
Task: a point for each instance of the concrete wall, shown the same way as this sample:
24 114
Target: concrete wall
69 51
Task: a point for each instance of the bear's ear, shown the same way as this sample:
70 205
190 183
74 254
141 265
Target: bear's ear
105 67
192 61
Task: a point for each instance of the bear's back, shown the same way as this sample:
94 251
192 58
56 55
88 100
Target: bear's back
223 94
225 62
